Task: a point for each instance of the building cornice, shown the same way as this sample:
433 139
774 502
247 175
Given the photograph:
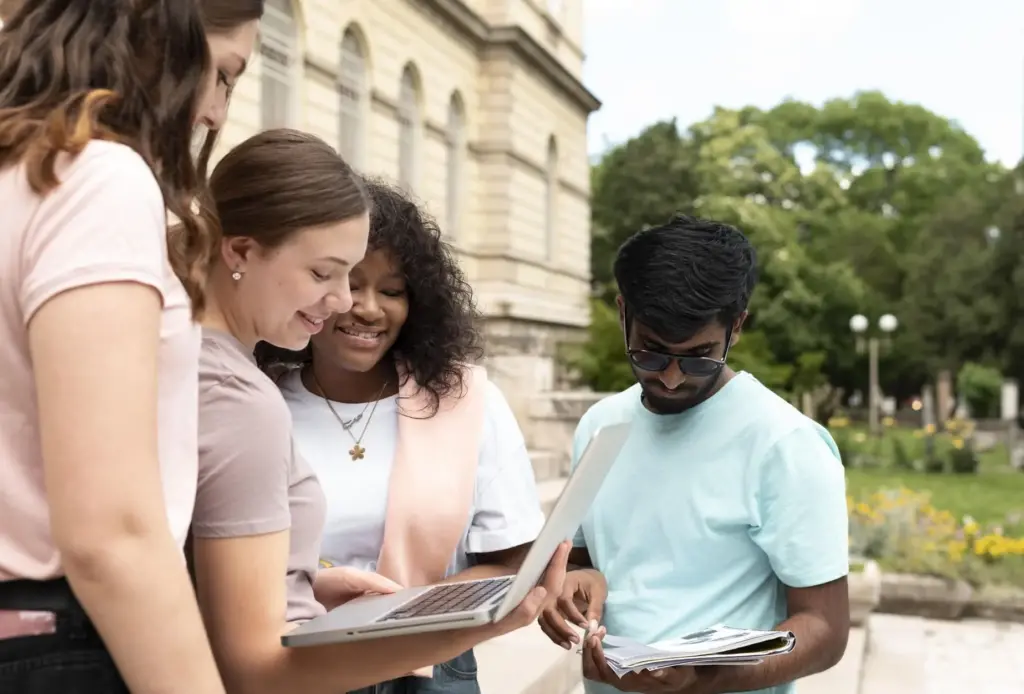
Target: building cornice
519 42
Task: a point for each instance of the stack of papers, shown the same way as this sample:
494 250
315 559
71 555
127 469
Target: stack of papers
719 645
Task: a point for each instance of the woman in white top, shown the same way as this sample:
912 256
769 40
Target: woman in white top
98 350
412 321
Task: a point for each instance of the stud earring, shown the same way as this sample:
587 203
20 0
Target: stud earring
236 275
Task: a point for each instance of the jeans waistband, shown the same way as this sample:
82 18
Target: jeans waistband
37 608
50 596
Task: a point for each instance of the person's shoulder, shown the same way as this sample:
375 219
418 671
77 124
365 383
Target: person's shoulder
102 185
764 407
494 398
109 163
227 376
766 419
611 409
776 424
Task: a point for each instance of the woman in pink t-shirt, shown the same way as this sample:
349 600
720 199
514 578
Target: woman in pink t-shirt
98 348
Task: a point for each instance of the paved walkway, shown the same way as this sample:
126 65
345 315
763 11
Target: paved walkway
911 655
902 655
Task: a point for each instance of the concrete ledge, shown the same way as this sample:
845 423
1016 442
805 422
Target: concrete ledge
924 596
845 677
526 662
865 592
997 603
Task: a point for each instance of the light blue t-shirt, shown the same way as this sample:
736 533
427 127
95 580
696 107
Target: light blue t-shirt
708 514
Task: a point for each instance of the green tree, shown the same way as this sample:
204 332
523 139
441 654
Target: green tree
864 205
981 386
637 184
1006 281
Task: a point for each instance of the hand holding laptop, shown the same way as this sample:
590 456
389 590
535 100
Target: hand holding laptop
336 585
498 604
530 608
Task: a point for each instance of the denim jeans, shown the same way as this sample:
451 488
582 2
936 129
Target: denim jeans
72 660
457 676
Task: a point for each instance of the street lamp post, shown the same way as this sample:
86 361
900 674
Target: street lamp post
859 324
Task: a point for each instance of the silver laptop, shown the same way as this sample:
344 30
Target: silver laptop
471 603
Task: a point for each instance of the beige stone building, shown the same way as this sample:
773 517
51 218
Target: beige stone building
478 107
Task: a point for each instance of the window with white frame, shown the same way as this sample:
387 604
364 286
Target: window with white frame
551 201
408 127
352 94
455 151
279 52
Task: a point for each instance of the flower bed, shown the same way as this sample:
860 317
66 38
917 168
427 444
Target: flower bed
904 533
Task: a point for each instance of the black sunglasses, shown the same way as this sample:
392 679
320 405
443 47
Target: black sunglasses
699 367
655 361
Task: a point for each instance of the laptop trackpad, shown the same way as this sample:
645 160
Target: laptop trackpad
363 611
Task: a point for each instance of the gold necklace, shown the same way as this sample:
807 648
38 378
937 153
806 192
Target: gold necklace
357 451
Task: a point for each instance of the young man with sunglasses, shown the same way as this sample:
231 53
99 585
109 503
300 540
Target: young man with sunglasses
726 505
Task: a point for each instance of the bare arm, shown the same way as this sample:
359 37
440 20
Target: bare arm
819 617
242 593
504 562
94 355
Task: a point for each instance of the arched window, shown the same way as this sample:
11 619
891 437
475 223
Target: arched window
408 127
352 93
455 139
551 199
279 50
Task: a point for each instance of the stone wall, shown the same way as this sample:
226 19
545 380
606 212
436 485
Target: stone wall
523 231
551 423
522 358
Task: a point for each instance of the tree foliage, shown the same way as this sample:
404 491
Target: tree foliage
862 205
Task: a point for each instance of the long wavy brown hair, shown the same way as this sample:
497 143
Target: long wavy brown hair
221 17
129 71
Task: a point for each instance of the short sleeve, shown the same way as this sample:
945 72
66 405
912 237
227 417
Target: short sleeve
580 440
245 454
800 500
507 511
104 222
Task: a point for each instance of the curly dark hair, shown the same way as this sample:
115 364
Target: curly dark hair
441 334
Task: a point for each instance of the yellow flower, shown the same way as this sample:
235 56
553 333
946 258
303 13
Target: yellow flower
930 429
958 443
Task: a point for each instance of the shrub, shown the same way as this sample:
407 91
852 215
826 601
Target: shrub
901 530
962 458
901 458
935 464
601 363
981 387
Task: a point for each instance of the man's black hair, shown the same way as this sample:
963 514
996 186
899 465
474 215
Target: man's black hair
679 277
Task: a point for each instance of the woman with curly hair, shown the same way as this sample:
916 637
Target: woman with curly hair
424 467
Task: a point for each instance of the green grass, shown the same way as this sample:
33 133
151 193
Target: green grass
994 495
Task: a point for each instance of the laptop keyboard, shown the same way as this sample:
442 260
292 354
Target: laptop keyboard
449 598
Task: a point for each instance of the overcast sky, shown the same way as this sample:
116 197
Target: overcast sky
654 59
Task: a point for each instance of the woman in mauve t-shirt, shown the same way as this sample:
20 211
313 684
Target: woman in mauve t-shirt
98 348
294 221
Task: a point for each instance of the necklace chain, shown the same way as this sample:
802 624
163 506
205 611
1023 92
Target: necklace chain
357 451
